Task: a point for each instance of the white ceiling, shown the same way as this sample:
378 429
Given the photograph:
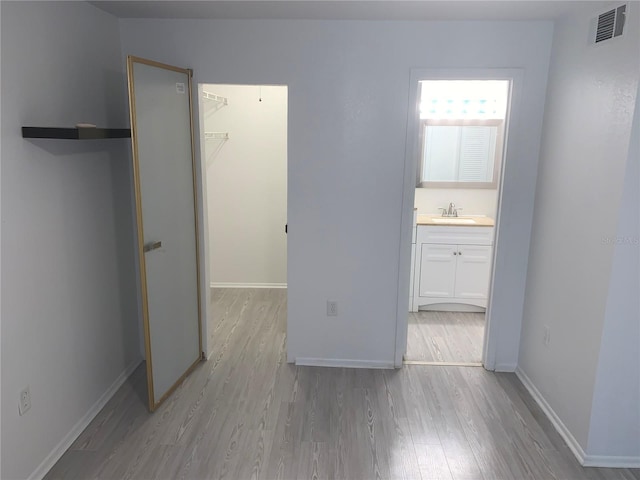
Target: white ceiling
344 9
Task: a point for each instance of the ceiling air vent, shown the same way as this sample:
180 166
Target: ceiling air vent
610 24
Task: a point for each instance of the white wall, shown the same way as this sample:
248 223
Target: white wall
589 109
247 185
348 98
615 415
69 317
479 201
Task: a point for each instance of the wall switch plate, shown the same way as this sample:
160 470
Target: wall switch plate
547 335
25 401
332 308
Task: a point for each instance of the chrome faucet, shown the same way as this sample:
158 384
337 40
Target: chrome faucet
452 211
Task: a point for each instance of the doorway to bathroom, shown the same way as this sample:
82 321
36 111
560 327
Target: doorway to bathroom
243 131
459 152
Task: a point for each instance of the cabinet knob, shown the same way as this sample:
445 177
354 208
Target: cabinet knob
455 253
459 253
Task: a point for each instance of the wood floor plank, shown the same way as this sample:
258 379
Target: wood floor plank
487 440
432 462
460 457
165 461
313 461
402 458
247 414
423 408
445 336
73 465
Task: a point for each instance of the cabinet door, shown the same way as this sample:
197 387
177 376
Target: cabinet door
472 271
437 270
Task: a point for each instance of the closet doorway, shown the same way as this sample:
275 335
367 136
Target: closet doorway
243 131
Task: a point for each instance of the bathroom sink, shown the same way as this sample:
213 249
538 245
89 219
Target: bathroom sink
454 221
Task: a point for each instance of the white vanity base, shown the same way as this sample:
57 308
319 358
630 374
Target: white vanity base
452 266
451 307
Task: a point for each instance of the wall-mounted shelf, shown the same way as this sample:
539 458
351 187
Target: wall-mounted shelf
75 133
214 98
216 135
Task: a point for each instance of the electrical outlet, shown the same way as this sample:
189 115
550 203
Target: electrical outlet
332 308
25 401
547 335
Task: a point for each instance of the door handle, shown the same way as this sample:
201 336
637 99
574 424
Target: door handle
152 246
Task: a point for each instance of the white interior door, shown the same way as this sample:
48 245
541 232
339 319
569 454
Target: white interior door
162 138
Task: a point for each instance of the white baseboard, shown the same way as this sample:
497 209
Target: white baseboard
247 285
505 367
79 427
553 417
604 461
342 363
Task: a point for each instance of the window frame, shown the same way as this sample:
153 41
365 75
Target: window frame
457 122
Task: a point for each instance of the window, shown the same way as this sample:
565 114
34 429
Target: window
461 132
460 153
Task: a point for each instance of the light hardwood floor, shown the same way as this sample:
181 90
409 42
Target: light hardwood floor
247 414
445 337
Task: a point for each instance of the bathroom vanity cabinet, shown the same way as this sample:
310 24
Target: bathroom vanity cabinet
452 265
